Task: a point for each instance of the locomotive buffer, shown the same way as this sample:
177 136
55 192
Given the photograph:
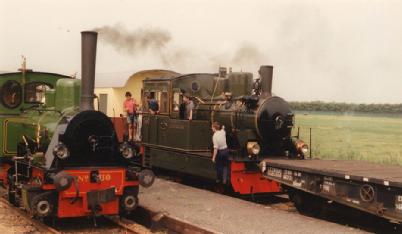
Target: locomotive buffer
370 187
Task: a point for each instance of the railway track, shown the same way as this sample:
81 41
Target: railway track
105 224
143 220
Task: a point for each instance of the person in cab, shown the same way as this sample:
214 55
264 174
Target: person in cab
227 100
153 106
189 107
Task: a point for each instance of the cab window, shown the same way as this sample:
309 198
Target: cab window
144 104
177 100
35 92
163 102
11 94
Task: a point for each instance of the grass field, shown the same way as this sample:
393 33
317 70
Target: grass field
364 137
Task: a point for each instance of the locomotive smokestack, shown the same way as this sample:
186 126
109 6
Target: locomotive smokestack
88 61
266 80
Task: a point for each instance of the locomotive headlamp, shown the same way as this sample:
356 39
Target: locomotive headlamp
305 149
253 148
61 151
126 150
146 178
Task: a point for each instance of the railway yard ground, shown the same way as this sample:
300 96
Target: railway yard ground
170 207
12 221
223 214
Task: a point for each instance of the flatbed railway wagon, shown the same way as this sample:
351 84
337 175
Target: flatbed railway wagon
369 187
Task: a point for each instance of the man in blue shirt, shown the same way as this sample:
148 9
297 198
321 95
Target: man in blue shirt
153 105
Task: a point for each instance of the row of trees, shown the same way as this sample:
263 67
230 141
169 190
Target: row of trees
347 107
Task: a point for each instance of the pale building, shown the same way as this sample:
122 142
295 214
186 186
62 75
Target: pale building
111 88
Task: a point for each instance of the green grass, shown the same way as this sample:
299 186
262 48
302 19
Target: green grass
336 136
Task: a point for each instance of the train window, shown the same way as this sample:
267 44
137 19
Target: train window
195 86
35 92
163 102
11 94
144 104
177 99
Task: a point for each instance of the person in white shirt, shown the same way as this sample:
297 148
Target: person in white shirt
220 155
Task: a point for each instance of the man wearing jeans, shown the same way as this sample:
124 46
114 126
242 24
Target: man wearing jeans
221 153
130 108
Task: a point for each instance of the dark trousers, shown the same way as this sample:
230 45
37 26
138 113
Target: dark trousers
222 166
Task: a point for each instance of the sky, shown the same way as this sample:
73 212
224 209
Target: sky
343 50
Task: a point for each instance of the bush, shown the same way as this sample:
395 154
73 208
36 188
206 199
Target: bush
347 107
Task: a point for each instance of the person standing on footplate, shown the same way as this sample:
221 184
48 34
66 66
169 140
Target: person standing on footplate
220 155
130 107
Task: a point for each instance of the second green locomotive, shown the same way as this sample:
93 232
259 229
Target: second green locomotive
257 123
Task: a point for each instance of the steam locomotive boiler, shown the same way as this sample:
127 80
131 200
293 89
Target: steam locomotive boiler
257 124
60 157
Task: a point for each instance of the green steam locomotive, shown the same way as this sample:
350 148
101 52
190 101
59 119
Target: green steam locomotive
257 124
32 103
58 156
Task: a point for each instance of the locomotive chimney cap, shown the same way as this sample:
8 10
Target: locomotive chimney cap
264 66
89 31
265 72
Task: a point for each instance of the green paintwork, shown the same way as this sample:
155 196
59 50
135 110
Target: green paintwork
211 87
198 165
67 94
29 119
240 83
178 134
29 77
183 145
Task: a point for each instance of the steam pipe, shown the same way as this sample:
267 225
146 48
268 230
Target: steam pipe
266 80
88 61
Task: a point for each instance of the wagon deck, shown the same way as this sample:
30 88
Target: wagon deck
370 187
387 175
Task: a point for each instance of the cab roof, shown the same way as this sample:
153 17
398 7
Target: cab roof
3 73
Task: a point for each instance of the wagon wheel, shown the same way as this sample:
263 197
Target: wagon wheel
306 203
